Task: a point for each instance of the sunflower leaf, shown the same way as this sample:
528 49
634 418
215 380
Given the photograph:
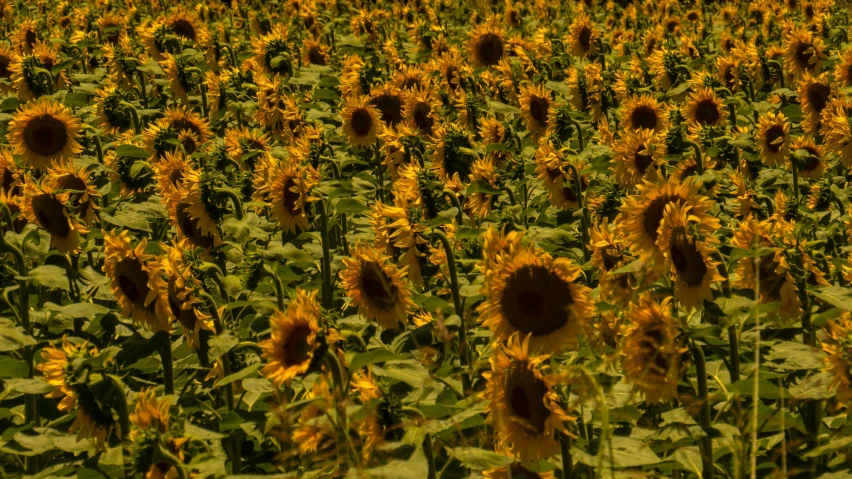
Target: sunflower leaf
836 296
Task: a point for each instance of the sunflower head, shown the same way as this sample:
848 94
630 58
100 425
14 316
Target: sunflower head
43 132
297 343
773 139
377 286
361 121
486 44
705 108
43 206
536 106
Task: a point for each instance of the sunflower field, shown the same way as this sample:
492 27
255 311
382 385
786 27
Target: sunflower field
425 239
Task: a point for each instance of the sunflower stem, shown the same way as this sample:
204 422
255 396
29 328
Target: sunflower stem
579 129
567 460
454 199
704 414
581 205
511 194
44 73
337 371
328 291
204 108
99 151
756 391
166 357
120 402
134 115
279 288
795 168
143 89
248 346
235 199
699 156
430 456
457 305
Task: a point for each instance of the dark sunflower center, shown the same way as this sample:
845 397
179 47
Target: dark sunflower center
538 109
290 197
51 215
848 73
671 26
525 394
377 286
297 349
132 280
818 96
5 72
189 227
517 471
707 112
452 77
421 117
653 215
771 281
184 123
644 116
176 176
187 317
315 56
183 28
813 161
46 135
642 161
75 183
687 260
8 180
390 107
490 49
536 301
730 78
803 54
772 135
30 37
362 122
585 38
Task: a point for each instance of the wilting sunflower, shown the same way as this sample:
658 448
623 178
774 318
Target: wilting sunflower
361 121
836 129
43 132
182 288
642 213
773 139
643 112
41 205
637 154
136 282
75 189
558 179
652 349
523 406
420 110
58 369
687 245
450 163
535 108
289 192
533 293
296 343
837 345
814 94
582 36
376 286
803 52
486 44
705 108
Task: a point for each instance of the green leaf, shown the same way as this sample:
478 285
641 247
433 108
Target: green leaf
498 107
836 296
76 100
481 186
128 219
738 253
326 94
12 337
625 452
9 105
131 151
408 371
815 386
480 459
469 233
221 344
193 431
374 356
766 389
12 368
678 89
497 147
796 356
348 206
49 276
241 374
29 386
415 467
632 267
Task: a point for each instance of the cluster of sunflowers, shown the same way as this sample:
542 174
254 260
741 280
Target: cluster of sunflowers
425 239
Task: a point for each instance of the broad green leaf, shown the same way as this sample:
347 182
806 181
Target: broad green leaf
12 337
241 374
49 276
29 386
374 356
480 459
498 107
625 452
837 296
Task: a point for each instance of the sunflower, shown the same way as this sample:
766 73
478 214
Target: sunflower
552 170
586 89
523 406
486 44
803 52
686 244
7 56
113 116
400 145
315 53
514 470
535 106
452 70
814 94
652 349
843 69
643 112
609 253
582 36
296 343
187 225
177 123
401 226
58 370
361 121
773 139
44 132
478 204
29 81
376 286
75 189
389 100
10 173
637 154
136 282
836 129
705 108
289 192
274 52
420 110
121 63
41 205
150 413
182 74
534 294
450 163
278 111
182 288
243 141
643 213
728 72
837 344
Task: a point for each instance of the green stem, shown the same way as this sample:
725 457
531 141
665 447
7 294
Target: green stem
579 129
235 199
120 404
567 461
511 194
581 205
279 288
229 388
204 107
142 88
164 455
699 156
430 456
795 169
457 305
134 114
45 73
704 414
734 344
248 346
328 291
454 199
777 65
166 357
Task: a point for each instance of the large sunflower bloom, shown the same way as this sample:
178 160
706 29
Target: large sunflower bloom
44 132
361 121
773 139
296 343
376 286
41 205
486 44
